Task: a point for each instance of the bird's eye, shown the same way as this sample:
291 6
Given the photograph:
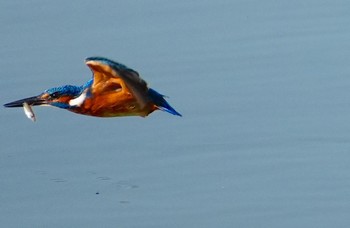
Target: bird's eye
55 95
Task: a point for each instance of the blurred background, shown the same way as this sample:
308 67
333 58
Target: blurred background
263 87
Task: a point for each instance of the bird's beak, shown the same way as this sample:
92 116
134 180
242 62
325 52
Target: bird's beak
32 101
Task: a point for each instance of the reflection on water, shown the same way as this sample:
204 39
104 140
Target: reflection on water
263 87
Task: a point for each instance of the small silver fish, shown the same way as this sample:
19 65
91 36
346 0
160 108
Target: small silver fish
29 111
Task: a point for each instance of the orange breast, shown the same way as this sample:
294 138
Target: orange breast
111 97
113 105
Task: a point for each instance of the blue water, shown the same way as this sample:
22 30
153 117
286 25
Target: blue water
263 87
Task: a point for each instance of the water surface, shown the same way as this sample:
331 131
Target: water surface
263 87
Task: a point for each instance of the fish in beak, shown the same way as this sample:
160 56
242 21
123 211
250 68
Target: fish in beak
27 104
29 111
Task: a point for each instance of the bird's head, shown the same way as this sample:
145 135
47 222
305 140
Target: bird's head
61 97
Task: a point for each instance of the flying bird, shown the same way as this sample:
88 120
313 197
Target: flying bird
114 91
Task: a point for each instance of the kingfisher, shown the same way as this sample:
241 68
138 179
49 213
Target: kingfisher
114 90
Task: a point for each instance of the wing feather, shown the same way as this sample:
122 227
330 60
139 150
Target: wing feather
105 70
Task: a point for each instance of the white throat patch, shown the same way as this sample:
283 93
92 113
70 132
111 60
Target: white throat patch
79 100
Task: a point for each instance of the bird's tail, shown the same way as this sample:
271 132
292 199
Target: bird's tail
161 103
